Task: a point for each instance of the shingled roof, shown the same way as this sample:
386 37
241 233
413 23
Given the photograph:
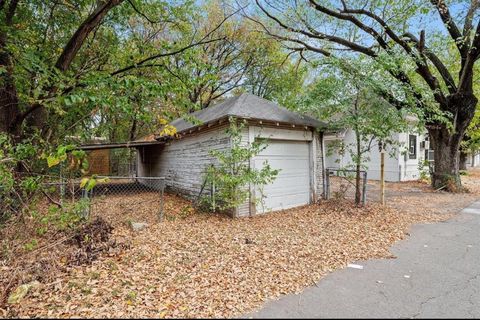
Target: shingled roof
247 106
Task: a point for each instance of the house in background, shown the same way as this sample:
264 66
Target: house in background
405 164
473 159
294 146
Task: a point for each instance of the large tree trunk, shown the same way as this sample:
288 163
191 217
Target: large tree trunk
445 173
11 117
446 142
462 163
8 91
8 102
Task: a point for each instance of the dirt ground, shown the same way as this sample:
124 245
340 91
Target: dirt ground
413 196
205 265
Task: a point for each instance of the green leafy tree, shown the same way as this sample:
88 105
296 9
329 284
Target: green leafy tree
231 177
394 32
243 60
80 69
471 141
346 97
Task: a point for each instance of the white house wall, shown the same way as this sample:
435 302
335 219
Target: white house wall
473 160
397 167
409 168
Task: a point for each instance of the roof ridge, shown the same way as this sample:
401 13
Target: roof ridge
236 106
279 106
248 106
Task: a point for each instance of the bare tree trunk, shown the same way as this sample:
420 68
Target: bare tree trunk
9 108
462 165
76 41
446 168
133 129
446 145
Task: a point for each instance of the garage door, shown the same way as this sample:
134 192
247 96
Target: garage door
291 188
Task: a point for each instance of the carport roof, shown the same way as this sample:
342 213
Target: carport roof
246 106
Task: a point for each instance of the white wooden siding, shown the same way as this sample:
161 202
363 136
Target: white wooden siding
282 133
183 162
397 167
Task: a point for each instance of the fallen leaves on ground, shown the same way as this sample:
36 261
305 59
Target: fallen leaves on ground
212 266
419 196
202 265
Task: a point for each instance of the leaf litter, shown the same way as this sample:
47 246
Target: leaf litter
204 265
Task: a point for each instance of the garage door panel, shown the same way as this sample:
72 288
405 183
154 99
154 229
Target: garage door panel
291 188
289 183
287 168
283 202
298 163
278 149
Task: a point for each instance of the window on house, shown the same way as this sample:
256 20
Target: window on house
412 146
429 154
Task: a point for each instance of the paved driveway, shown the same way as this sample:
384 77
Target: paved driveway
436 274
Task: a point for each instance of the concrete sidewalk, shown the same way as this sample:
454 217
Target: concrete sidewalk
436 275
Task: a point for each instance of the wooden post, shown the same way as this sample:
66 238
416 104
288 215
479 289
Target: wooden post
382 173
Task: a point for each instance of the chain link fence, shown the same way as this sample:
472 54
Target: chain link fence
340 184
110 195
126 195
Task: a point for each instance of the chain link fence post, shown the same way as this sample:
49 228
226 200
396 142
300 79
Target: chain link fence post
162 187
327 184
86 211
364 193
341 183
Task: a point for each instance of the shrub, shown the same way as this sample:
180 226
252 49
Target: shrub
232 175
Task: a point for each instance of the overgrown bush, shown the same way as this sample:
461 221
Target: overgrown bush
17 186
463 172
424 170
25 169
231 177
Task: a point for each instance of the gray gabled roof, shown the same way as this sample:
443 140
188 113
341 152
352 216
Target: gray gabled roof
247 106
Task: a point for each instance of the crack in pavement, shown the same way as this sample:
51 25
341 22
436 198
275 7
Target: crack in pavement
446 282
446 293
421 307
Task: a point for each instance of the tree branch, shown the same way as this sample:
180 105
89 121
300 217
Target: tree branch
451 26
422 67
200 42
319 35
343 16
466 75
11 12
76 41
468 25
162 55
142 14
441 68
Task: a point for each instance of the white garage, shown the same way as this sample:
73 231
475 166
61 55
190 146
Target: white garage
294 147
292 186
